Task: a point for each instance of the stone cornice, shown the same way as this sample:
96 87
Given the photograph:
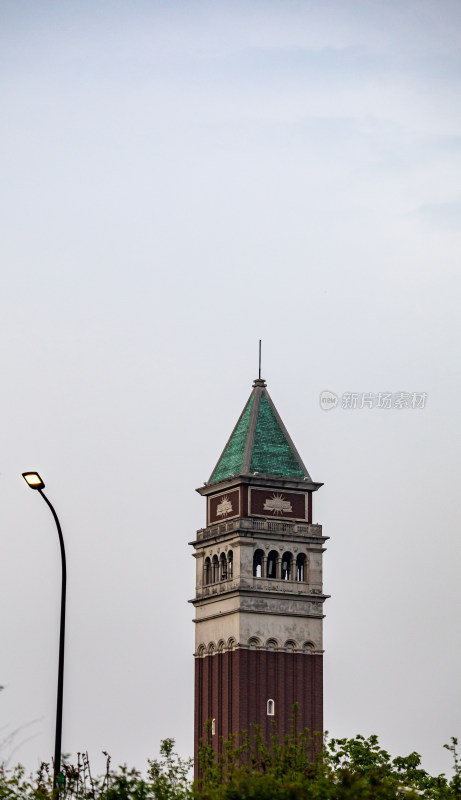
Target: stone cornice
264 481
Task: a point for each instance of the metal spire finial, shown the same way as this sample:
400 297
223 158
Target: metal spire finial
259 381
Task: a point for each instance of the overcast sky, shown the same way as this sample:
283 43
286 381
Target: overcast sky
179 180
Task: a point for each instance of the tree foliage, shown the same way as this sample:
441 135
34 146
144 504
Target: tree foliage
250 768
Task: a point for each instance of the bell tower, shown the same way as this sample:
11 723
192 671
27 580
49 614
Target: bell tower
259 596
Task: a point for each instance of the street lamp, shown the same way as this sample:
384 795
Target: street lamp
34 480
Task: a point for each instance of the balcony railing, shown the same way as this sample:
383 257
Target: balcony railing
259 584
249 523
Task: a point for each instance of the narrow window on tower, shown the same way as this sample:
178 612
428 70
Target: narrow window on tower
270 708
213 726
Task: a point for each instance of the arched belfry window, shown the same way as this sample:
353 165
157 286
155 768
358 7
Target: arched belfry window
301 567
270 708
230 564
215 569
207 571
223 567
272 564
258 564
286 567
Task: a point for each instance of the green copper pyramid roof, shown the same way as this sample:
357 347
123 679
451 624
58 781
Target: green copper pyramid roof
259 443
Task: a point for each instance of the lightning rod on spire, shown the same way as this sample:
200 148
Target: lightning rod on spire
260 359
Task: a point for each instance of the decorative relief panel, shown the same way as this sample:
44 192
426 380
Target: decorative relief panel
278 504
222 507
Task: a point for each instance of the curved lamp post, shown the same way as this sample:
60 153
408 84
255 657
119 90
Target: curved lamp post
34 480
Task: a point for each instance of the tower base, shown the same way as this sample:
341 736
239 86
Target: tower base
232 689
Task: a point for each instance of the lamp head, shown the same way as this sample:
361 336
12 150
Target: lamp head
33 480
